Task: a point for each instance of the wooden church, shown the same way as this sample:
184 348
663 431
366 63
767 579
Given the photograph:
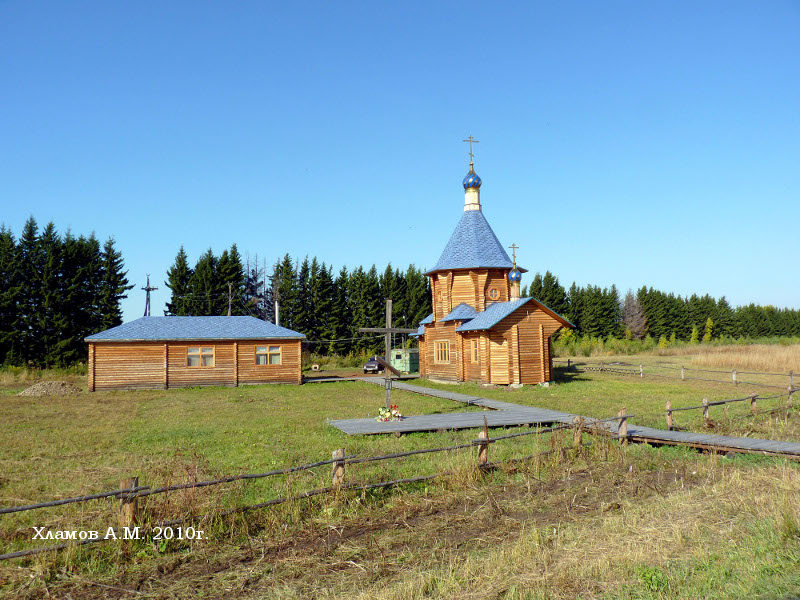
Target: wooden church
481 329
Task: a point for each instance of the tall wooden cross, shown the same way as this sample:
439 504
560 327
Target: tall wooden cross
387 331
148 289
471 141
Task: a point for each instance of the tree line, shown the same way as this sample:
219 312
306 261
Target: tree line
327 306
57 289
600 312
54 291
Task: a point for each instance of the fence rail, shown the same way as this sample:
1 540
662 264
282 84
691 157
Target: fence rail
621 369
752 398
130 491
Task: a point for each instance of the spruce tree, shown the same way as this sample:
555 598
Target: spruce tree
51 320
178 277
302 315
232 281
340 315
205 292
114 285
30 260
10 298
283 278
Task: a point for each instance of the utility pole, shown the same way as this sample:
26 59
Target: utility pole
230 297
387 340
148 289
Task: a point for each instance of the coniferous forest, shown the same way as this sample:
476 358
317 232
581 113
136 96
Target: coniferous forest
56 289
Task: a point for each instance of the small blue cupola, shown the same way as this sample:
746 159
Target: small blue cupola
472 180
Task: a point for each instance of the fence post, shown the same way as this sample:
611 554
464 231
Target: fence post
337 474
483 449
683 374
641 371
577 433
791 379
725 408
623 426
733 375
602 366
753 407
669 415
129 505
705 412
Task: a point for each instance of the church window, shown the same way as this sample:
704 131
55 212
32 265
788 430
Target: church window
494 294
475 354
441 352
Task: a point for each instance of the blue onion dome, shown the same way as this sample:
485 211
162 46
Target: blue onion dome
514 275
472 180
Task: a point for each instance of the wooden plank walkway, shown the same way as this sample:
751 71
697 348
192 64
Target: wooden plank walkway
504 414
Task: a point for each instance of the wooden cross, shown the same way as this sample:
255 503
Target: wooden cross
471 140
387 331
148 289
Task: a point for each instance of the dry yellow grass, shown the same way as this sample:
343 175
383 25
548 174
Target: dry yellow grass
756 357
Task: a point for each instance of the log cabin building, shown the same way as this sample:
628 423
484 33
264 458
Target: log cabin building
481 329
168 352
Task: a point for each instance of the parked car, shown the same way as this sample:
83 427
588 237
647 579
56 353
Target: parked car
373 366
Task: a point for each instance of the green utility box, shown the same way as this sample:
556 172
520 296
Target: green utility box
405 359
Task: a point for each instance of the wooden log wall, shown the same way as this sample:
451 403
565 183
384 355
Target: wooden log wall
533 348
128 365
289 371
159 365
442 332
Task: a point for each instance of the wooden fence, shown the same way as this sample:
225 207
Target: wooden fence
642 370
752 399
129 512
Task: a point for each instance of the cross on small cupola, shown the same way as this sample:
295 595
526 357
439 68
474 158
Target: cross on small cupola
472 183
471 141
514 248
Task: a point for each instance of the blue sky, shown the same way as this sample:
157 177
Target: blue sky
620 142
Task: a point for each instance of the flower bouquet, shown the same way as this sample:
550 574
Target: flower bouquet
389 414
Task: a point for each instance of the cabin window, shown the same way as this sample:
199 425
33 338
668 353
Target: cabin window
441 352
494 294
475 352
398 357
268 355
200 357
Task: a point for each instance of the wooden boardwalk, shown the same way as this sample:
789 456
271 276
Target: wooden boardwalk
504 414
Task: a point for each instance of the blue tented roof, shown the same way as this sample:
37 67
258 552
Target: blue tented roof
473 245
420 331
493 314
195 328
462 312
427 320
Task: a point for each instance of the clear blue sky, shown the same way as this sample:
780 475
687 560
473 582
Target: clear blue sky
621 142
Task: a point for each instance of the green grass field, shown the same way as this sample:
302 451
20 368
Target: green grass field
634 523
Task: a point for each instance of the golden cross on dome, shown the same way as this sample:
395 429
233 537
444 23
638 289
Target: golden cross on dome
514 248
471 141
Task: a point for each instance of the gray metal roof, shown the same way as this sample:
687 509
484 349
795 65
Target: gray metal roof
195 328
462 312
473 245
